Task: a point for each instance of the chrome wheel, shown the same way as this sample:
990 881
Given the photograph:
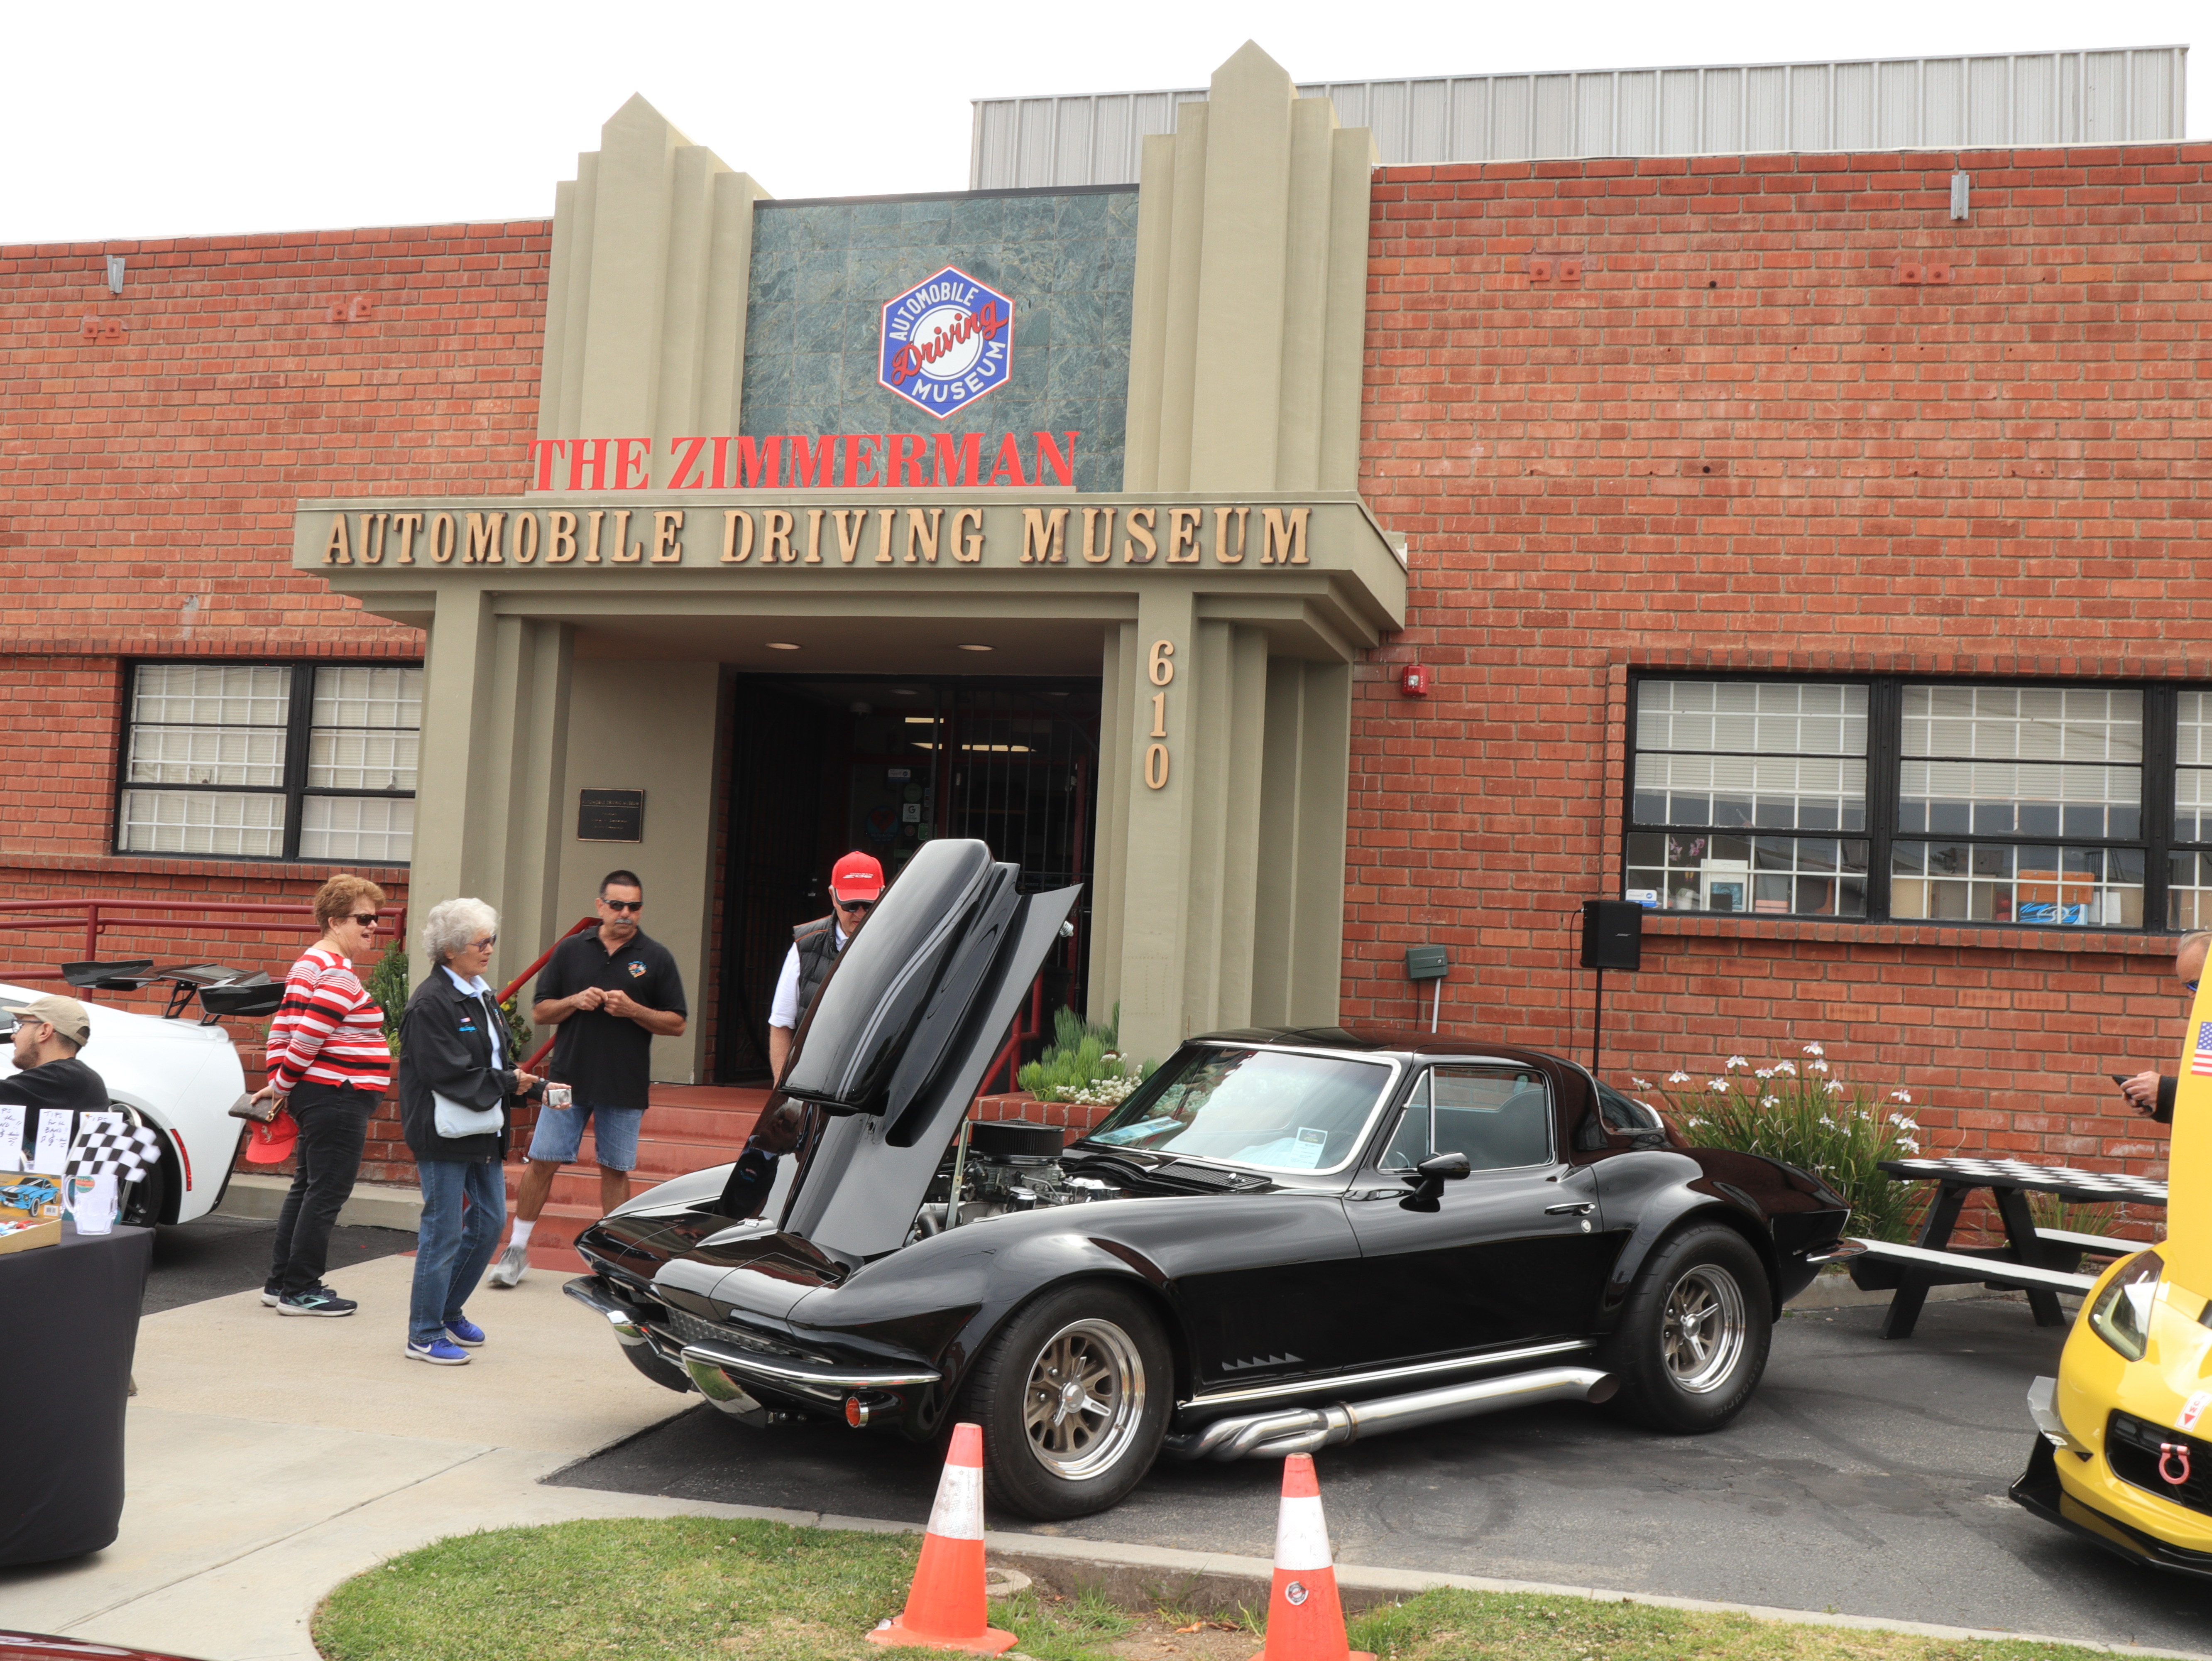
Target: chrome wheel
1702 1333
1084 1399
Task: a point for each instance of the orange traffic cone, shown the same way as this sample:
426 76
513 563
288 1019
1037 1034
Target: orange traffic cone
945 1605
1306 1621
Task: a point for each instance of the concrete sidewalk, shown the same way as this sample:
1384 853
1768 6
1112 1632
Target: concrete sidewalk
270 1458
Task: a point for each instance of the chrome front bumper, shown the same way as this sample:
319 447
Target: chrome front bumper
727 1375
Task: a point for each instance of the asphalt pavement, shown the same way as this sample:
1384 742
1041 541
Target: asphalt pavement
217 1256
1867 1477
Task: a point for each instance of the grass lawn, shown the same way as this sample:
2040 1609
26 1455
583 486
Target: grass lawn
689 1589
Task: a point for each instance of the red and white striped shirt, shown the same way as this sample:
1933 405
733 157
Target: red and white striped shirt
327 1030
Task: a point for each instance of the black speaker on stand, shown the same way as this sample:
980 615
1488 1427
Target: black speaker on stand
1612 938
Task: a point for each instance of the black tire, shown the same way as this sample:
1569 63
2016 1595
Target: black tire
1693 1336
1043 1456
143 1200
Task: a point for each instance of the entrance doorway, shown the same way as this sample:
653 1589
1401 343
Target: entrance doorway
885 764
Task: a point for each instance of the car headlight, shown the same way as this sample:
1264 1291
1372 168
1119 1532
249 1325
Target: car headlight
2121 1315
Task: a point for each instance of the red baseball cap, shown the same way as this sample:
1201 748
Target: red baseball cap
857 877
272 1143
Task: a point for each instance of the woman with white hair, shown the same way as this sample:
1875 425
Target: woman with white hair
455 1076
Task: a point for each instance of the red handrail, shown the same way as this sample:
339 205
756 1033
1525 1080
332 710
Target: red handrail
516 985
100 914
1027 1025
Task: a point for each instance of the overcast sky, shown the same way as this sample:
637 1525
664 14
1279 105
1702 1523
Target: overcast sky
142 120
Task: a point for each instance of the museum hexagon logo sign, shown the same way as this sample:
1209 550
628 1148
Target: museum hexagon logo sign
946 342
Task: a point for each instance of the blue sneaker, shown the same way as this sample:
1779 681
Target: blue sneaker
463 1330
439 1353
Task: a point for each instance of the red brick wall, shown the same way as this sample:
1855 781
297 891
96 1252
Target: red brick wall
151 480
1738 442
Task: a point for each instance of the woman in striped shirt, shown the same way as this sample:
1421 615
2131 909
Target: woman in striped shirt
328 1058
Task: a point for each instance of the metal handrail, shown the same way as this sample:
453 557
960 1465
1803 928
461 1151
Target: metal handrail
100 914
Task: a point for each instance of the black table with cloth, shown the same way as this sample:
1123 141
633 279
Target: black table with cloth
70 1313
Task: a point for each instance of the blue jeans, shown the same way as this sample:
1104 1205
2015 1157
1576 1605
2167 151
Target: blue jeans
463 1209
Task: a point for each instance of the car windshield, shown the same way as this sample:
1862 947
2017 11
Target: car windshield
1268 1108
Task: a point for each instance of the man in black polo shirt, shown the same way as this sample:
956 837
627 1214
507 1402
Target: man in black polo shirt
611 991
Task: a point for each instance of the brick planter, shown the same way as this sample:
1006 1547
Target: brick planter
1078 1116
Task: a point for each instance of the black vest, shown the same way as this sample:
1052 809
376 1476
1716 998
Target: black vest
817 950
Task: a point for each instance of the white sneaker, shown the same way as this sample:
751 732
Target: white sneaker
513 1263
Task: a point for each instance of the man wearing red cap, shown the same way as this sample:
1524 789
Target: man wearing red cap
855 885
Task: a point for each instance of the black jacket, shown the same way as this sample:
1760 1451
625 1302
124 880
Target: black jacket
445 1047
2167 1089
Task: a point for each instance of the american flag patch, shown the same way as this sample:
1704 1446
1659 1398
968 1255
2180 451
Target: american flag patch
2200 1058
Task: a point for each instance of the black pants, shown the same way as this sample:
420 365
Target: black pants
333 1123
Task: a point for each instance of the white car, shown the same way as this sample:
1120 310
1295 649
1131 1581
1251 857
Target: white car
176 1075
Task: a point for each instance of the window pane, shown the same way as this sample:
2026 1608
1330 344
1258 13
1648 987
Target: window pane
2002 798
1816 876
212 694
2023 723
1499 1117
2189 893
1768 718
1986 882
2192 804
362 760
357 695
357 829
1780 793
202 822
206 755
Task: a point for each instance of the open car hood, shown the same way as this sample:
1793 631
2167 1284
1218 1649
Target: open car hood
889 1055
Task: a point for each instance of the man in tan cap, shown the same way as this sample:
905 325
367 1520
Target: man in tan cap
49 1032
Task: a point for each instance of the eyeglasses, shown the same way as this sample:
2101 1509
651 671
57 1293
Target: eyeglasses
624 905
852 905
2191 985
366 920
485 944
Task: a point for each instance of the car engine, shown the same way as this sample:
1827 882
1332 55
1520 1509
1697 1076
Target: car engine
1007 1167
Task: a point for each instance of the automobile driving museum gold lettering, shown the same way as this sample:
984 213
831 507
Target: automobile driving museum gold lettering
572 536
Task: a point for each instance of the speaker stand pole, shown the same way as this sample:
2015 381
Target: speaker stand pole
1597 1024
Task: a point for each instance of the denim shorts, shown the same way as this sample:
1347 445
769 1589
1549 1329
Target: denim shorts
560 1133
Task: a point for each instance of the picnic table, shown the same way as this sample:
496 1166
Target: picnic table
2038 1261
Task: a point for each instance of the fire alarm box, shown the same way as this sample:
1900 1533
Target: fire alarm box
1413 681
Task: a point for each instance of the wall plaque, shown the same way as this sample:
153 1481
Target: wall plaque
610 816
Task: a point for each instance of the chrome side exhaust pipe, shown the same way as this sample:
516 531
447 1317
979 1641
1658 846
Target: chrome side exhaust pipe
1306 1430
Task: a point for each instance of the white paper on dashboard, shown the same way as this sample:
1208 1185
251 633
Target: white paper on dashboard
11 1136
51 1155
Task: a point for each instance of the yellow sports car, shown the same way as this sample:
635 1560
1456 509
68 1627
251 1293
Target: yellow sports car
2125 1454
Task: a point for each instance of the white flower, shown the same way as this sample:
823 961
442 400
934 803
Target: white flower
1770 1101
1901 1096
1678 1077
1737 1061
1908 1144
1641 1084
1790 1067
1903 1123
1833 1086
1816 1066
1766 1072
1814 1049
1828 1121
1716 1084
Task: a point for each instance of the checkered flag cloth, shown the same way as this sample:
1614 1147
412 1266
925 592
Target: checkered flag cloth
121 1151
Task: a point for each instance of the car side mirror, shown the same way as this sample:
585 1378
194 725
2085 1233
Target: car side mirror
1430 1177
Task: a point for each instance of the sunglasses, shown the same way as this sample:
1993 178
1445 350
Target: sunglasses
2191 985
367 920
624 905
852 905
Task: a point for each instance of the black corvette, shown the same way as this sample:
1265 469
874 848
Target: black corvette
1283 1240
